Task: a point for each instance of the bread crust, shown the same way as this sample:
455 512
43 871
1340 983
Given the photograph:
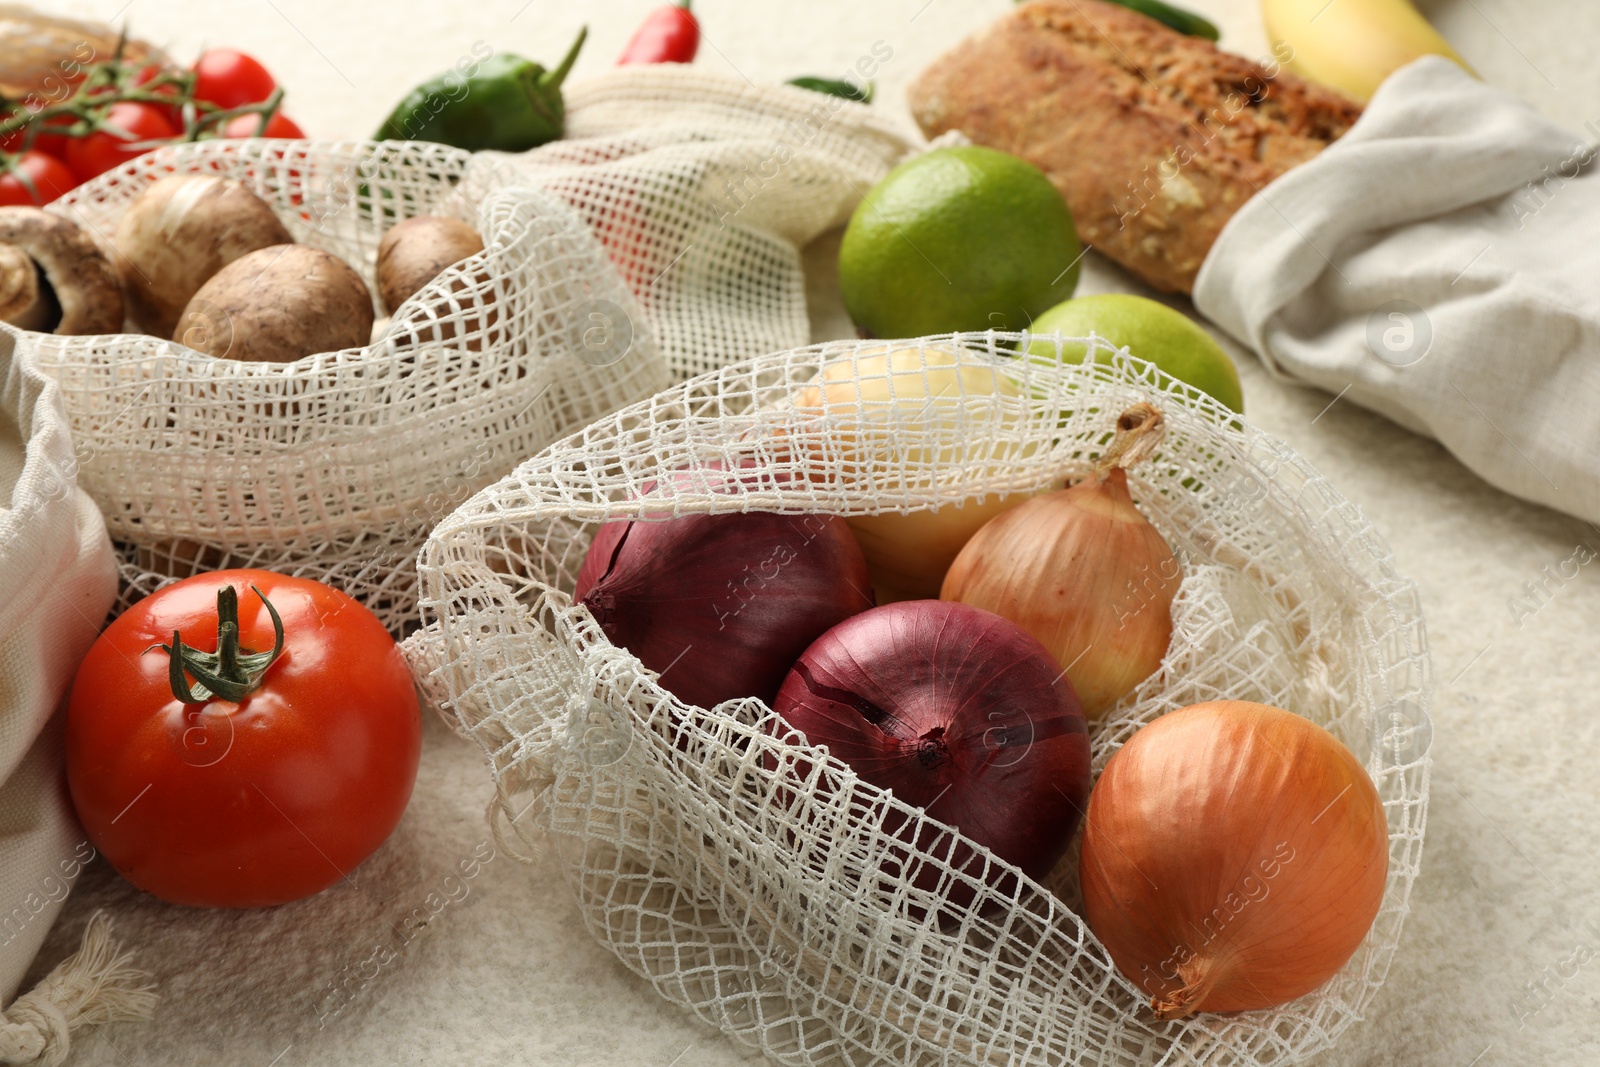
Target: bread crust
1154 138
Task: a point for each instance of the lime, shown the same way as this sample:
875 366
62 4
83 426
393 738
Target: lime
957 239
1148 330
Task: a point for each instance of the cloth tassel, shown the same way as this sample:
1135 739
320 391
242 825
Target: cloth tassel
96 985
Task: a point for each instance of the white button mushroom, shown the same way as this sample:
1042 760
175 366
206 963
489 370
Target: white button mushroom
53 279
414 252
411 257
180 232
277 305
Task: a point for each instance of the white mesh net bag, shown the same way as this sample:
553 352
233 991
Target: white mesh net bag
737 871
336 465
704 189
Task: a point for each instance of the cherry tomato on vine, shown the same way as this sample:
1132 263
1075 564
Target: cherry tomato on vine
100 151
11 142
35 178
241 777
51 144
54 144
148 74
279 125
230 78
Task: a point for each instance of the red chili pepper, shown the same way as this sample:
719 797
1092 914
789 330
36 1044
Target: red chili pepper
669 34
619 226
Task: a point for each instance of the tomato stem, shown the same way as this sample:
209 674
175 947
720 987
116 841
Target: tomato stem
231 672
85 108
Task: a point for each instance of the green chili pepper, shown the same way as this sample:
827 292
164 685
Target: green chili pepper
507 104
1183 21
834 87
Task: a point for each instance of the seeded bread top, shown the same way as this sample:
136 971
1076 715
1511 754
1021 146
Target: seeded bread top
1154 138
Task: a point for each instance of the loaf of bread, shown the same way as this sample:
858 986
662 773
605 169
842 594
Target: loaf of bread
1155 139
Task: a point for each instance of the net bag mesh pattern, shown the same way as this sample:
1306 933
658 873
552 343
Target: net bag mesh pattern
335 466
739 871
704 189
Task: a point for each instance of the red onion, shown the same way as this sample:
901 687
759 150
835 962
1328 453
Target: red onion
959 712
722 605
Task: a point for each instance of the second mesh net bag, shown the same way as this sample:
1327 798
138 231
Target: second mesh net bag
705 188
336 465
734 869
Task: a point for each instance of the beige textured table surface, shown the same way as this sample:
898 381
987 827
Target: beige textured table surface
503 973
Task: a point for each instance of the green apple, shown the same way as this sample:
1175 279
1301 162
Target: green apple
1148 330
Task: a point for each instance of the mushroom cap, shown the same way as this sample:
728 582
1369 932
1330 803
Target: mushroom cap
278 304
84 282
178 233
414 252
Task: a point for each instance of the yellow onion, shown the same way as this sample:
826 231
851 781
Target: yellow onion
908 555
1083 571
1234 856
867 396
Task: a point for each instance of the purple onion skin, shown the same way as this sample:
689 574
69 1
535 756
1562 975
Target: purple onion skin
959 712
722 605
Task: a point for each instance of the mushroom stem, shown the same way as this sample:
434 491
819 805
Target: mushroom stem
26 299
74 288
19 282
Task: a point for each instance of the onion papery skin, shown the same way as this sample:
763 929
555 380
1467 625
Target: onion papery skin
898 415
956 711
1234 857
908 555
1083 571
874 397
721 605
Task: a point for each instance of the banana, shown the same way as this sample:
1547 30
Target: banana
1352 45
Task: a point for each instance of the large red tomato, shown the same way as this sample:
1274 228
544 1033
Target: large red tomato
255 801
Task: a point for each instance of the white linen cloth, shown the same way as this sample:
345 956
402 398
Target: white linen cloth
1439 264
57 581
